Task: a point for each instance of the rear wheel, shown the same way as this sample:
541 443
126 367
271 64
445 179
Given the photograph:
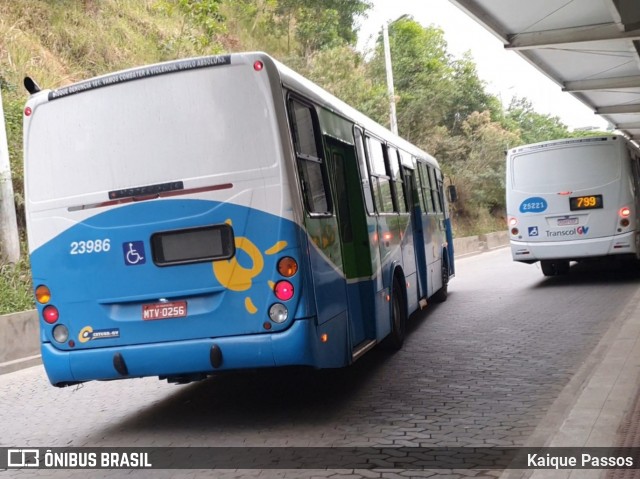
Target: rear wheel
441 295
395 340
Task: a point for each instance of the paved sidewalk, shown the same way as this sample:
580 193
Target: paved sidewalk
598 408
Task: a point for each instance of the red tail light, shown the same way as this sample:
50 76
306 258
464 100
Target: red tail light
283 290
624 212
50 314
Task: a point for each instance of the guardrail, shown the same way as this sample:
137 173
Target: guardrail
20 335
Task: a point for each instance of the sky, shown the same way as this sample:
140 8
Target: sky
505 72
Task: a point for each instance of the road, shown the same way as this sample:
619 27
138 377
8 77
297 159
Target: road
480 370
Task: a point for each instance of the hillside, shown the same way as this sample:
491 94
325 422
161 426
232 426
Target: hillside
442 104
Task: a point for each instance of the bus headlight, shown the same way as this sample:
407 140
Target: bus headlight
60 333
278 313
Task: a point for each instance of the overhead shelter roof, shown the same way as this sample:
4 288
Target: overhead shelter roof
591 48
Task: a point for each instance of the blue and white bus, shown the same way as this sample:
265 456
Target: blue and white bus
222 213
573 200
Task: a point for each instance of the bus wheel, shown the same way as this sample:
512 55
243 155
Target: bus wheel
554 268
440 296
395 339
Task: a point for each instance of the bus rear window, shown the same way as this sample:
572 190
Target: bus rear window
565 169
174 127
193 245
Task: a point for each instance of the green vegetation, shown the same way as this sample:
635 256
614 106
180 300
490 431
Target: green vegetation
442 104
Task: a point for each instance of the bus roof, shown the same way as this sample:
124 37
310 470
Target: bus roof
563 142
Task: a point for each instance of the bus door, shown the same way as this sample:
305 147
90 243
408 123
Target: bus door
431 229
354 238
416 210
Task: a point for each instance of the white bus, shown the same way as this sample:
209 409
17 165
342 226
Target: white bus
222 213
573 199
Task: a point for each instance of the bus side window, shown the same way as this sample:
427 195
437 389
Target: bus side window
435 190
418 192
425 184
380 180
311 167
396 179
364 173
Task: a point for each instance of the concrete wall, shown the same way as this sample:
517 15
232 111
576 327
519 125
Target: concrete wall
478 244
19 341
20 336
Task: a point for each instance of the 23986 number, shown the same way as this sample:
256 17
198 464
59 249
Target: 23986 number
90 246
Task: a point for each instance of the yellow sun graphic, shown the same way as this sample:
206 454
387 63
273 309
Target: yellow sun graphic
232 275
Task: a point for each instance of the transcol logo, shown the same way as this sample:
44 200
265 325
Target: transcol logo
579 231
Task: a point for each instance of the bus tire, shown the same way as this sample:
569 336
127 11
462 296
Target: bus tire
395 339
440 296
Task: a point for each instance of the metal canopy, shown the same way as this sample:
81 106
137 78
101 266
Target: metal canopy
591 48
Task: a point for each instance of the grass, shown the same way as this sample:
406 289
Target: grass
16 291
480 224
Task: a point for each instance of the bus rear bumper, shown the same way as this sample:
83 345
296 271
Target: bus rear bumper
299 345
574 250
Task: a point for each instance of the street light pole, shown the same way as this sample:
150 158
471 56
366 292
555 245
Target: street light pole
393 122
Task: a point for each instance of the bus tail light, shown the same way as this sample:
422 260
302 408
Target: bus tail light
513 221
287 267
515 231
278 313
258 65
283 290
43 294
60 333
50 314
624 212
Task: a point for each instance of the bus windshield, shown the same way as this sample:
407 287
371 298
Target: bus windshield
183 125
565 169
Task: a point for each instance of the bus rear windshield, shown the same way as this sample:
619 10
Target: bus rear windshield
565 169
190 124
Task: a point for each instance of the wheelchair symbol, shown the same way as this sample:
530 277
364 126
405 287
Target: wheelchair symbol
133 253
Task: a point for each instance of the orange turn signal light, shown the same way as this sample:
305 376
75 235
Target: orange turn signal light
287 266
43 295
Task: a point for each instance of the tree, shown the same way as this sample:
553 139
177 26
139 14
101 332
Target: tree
531 125
422 77
343 72
469 95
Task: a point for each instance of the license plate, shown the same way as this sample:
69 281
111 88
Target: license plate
175 309
567 221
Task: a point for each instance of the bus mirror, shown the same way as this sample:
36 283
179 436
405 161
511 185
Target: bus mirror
452 192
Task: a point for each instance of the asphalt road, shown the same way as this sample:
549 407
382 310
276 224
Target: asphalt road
480 370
